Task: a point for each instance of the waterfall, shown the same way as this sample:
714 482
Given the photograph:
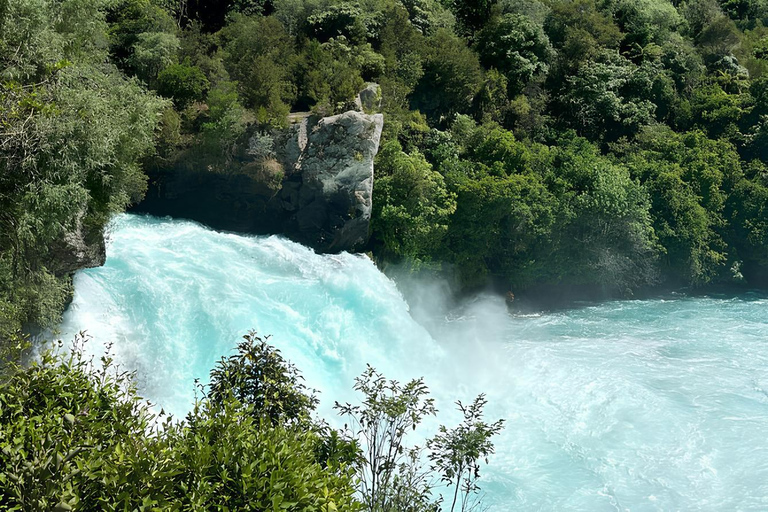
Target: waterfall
634 405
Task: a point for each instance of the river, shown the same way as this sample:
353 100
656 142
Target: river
628 405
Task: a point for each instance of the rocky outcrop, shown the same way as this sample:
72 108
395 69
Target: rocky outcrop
369 99
312 182
328 191
76 249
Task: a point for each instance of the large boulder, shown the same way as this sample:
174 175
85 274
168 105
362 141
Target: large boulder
329 190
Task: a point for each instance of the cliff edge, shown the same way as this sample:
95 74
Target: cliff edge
311 182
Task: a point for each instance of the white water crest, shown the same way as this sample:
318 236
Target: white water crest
633 405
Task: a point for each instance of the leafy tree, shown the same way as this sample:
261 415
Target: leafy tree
429 15
595 101
293 14
232 458
401 47
153 52
341 20
718 40
182 82
59 175
411 206
689 178
716 111
136 25
451 78
500 225
328 77
388 412
58 450
257 53
456 453
224 122
645 21
492 101
472 15
747 212
699 14
745 9
516 47
74 436
580 30
604 231
257 375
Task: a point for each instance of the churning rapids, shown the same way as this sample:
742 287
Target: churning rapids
634 405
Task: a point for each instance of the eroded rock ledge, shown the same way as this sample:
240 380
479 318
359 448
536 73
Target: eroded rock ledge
311 182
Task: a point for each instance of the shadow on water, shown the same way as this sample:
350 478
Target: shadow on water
439 295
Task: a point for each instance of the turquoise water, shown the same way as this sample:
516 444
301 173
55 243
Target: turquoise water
635 405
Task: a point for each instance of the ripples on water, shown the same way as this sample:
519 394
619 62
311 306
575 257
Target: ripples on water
634 405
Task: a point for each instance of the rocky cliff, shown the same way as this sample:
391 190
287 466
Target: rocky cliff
76 249
311 182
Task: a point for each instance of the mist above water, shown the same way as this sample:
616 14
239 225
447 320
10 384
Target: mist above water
635 405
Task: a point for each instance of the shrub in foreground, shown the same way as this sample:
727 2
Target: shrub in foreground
74 435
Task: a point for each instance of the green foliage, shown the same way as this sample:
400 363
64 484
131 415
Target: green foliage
472 15
392 476
451 78
257 375
412 204
689 178
143 26
59 175
580 30
597 100
401 47
747 211
456 453
77 437
341 20
256 53
516 47
536 214
223 125
234 459
605 231
183 83
428 15
328 76
151 53
388 412
500 225
645 21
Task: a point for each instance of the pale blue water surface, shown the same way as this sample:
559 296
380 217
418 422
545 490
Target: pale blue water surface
632 405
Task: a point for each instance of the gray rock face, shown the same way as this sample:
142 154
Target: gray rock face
323 200
77 249
369 99
331 199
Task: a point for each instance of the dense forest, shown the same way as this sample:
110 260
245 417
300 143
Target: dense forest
608 143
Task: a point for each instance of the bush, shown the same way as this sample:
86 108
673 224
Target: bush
257 375
393 477
76 436
183 83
